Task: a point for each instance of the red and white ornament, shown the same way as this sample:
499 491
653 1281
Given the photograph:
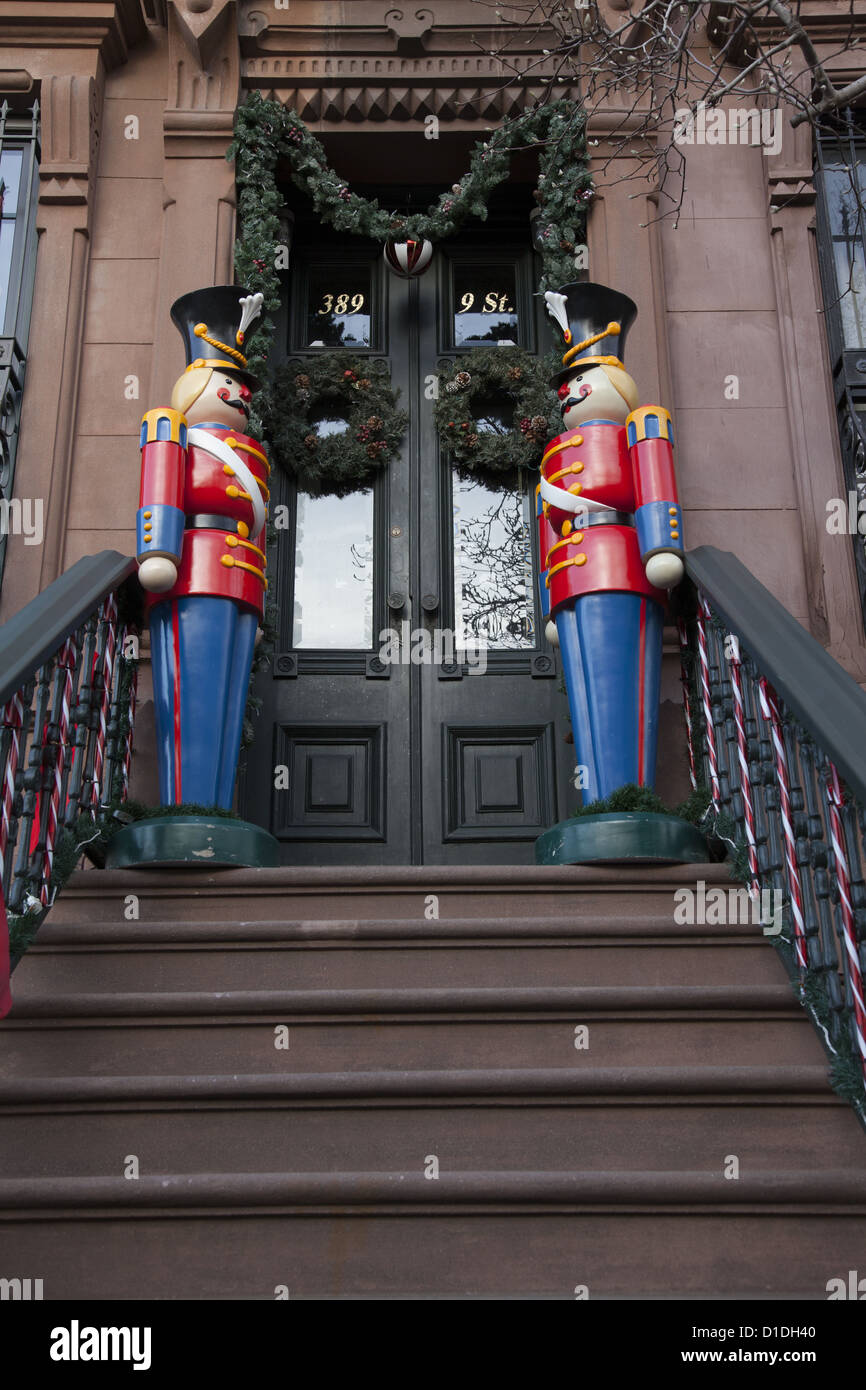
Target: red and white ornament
408 258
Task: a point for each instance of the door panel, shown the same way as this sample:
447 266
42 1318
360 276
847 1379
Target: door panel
453 748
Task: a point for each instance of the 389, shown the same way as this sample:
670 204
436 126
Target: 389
341 303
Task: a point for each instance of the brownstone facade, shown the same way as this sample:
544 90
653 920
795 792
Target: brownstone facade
136 206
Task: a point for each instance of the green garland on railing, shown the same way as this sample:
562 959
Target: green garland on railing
265 135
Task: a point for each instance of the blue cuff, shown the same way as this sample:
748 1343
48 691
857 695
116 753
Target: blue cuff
159 531
659 527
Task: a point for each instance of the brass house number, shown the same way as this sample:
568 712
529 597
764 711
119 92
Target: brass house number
342 303
494 303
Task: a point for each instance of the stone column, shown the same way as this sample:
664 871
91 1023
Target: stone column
199 197
830 575
66 50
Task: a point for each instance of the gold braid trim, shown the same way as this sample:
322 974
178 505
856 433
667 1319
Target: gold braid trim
612 327
200 331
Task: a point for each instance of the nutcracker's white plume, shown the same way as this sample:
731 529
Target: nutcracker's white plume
251 305
556 308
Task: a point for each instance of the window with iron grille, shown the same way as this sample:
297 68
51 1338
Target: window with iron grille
840 180
19 191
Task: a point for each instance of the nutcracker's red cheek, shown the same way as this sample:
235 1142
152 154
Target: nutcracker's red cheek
563 391
245 393
223 394
585 390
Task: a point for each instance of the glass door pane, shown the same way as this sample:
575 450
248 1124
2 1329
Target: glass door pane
494 583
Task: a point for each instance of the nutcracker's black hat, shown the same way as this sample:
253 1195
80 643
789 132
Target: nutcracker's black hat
598 320
215 324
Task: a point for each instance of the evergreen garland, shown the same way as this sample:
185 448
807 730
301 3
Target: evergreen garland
266 134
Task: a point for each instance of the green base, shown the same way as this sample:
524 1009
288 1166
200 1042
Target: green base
622 837
211 842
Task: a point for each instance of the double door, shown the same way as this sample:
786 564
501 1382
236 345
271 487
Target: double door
413 711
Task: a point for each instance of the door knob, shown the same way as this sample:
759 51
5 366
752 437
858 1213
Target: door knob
430 603
396 601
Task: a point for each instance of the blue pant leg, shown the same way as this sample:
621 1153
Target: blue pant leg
206 633
245 627
605 639
163 670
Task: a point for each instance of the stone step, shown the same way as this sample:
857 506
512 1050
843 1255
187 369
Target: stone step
654 1119
613 1234
348 1030
510 892
126 957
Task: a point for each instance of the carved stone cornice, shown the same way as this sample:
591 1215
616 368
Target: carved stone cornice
396 64
204 78
114 27
70 109
355 104
791 188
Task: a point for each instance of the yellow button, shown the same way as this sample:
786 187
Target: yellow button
577 537
148 515
243 529
675 535
581 560
578 467
575 487
672 510
227 468
578 439
566 528
148 539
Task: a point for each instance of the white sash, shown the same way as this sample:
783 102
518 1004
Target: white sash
570 501
212 444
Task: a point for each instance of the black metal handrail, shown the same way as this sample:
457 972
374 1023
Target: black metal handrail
67 706
777 736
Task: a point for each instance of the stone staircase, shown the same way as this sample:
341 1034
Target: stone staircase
327 1089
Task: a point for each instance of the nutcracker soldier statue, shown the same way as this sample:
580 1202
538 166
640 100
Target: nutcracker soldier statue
610 545
201 536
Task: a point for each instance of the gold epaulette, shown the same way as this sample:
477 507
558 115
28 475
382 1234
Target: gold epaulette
649 422
163 424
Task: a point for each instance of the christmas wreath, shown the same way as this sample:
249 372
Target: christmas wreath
489 377
338 386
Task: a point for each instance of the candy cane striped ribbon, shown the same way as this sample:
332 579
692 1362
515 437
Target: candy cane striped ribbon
704 666
127 752
770 711
687 703
109 615
66 661
855 977
13 719
743 759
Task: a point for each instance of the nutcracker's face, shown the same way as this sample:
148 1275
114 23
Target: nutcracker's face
590 395
225 400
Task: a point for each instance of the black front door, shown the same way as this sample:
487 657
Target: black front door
414 712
